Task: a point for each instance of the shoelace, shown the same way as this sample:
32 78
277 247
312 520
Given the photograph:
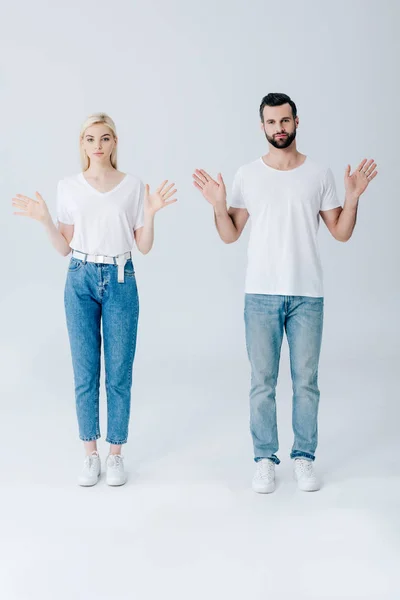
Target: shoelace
115 462
89 462
265 469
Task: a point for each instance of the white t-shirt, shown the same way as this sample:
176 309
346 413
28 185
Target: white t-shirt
104 222
283 254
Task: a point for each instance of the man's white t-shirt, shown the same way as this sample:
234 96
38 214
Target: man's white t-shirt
104 222
283 254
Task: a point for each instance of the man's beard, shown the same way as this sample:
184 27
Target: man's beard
283 142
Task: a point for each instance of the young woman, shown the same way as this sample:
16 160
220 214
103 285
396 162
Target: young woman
101 213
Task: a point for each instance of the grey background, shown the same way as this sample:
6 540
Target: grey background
183 82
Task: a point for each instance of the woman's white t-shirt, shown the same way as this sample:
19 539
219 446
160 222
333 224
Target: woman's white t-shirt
104 222
283 254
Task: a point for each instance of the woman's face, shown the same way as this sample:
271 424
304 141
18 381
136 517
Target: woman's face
98 141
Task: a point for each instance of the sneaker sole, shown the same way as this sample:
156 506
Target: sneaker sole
310 489
265 490
81 484
305 488
116 484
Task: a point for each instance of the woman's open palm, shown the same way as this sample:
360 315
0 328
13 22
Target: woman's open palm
35 209
160 198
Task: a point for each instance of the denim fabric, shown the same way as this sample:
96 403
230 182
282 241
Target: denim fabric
266 319
93 297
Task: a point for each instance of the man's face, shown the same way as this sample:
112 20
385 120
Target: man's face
279 125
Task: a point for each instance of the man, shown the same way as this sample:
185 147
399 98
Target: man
285 193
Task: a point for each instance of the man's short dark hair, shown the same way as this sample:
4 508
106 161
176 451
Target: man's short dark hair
277 100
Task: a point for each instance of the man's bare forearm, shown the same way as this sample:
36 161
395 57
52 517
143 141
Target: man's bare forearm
225 225
347 220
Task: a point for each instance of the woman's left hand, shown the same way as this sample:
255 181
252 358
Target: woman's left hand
159 199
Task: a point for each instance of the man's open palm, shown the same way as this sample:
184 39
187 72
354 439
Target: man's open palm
357 182
213 191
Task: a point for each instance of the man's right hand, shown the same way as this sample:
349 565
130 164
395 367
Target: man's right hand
213 191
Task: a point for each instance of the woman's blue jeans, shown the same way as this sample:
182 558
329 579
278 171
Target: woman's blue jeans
93 300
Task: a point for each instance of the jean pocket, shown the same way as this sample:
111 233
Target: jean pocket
74 265
314 304
129 269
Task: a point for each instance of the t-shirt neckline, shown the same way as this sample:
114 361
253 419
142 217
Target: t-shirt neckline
284 170
93 189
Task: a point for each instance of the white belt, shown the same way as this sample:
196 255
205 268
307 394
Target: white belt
119 260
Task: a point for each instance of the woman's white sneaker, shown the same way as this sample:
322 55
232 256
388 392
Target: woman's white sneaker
91 471
115 470
264 477
307 480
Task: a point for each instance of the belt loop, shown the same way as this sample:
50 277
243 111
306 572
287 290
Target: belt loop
85 259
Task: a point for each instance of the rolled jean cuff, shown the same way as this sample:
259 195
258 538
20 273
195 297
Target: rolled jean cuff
114 443
298 454
273 457
89 439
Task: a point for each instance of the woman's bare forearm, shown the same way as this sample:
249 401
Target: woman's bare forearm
57 239
145 236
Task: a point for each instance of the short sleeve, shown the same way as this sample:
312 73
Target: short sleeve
139 215
329 197
63 214
237 200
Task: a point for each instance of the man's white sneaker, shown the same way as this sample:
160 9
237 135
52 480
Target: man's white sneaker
115 470
91 471
264 477
307 480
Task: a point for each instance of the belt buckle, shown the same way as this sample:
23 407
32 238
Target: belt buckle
100 259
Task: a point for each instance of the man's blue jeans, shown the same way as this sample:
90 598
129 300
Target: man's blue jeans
266 318
93 297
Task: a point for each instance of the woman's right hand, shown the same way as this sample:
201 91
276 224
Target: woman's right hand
35 209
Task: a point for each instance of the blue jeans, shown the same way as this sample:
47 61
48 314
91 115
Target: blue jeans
93 296
266 318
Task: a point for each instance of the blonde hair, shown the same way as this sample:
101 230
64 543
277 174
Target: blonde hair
93 120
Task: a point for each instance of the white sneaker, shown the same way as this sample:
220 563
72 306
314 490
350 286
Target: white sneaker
91 471
115 470
264 477
307 480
